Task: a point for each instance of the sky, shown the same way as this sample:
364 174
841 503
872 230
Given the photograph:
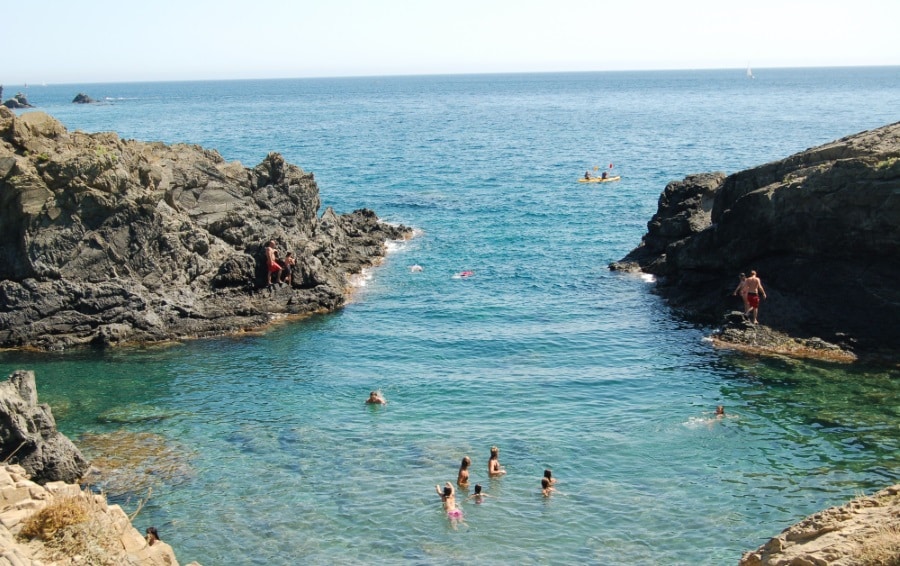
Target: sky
91 41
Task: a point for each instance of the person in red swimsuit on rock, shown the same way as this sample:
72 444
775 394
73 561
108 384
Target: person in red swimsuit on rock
272 265
754 288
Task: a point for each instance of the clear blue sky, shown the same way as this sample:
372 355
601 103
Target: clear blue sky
55 41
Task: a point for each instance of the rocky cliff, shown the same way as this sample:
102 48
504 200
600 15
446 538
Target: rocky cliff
822 229
105 240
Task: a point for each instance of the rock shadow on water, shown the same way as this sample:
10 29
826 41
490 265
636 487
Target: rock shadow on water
131 463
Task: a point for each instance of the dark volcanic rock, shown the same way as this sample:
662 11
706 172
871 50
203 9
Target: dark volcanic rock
822 229
104 240
82 98
18 101
28 434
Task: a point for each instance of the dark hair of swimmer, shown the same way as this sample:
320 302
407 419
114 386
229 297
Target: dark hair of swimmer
545 483
477 489
548 474
448 491
465 462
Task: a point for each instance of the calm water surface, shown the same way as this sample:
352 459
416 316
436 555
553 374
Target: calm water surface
260 450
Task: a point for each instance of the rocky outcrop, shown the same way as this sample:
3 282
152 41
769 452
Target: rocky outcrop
82 98
18 101
822 229
104 240
90 532
739 333
28 435
865 531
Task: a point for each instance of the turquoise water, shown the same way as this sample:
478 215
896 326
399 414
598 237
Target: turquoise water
272 457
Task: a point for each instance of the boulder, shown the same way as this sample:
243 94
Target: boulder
822 229
82 98
28 435
106 241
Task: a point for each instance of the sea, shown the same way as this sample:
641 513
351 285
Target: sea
260 450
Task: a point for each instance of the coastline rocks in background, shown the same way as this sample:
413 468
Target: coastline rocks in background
28 435
105 241
822 229
863 531
82 98
18 101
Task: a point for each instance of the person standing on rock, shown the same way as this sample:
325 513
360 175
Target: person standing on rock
742 289
754 288
272 265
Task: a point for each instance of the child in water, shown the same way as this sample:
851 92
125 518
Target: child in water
479 495
546 488
549 475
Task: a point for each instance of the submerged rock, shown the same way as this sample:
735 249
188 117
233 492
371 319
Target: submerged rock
822 229
105 241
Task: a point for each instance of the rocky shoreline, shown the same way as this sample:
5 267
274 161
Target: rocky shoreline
105 241
862 532
821 227
46 517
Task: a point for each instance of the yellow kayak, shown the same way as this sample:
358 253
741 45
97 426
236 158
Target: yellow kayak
600 179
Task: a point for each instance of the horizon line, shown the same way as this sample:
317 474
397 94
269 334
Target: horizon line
460 74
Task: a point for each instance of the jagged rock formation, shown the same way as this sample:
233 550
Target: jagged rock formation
28 435
822 229
82 98
865 531
104 240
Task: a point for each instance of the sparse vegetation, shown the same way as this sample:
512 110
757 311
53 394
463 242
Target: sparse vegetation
887 163
883 549
73 526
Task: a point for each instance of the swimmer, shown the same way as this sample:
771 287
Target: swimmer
549 475
546 488
464 274
152 535
448 498
479 495
375 398
720 411
462 479
494 468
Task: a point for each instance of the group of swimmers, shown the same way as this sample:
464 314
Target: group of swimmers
447 493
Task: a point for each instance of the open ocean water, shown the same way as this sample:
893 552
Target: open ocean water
260 450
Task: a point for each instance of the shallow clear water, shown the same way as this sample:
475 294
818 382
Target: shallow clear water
543 352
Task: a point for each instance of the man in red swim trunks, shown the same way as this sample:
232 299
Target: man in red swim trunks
272 265
754 288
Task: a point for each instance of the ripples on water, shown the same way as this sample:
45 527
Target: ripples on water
542 351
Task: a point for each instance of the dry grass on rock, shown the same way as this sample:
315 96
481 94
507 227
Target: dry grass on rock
75 528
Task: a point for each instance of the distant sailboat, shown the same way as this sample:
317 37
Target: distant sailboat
750 73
